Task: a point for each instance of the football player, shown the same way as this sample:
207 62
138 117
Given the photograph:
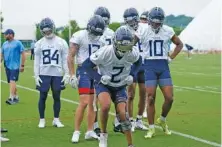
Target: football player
50 69
131 19
144 19
157 72
82 44
114 74
108 37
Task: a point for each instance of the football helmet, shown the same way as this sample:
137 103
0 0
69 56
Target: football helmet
156 18
104 13
131 18
123 41
47 27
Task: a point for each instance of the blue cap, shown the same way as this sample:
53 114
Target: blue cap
9 31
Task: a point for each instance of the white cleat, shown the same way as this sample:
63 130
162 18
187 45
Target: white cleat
103 140
57 123
145 114
133 126
91 135
41 123
139 125
75 137
3 139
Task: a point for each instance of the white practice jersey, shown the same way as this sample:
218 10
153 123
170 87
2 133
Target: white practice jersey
87 46
108 64
157 44
108 35
139 32
51 57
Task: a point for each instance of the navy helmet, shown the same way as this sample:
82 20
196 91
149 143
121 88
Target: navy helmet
156 18
47 27
96 25
144 15
123 40
131 18
104 13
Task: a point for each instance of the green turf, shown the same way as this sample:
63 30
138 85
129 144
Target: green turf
197 113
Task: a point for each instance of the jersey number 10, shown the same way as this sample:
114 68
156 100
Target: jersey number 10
156 47
48 57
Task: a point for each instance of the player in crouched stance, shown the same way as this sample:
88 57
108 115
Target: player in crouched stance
114 74
49 67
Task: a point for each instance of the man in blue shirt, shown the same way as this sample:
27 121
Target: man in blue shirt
11 53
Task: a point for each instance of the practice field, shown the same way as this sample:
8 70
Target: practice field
195 117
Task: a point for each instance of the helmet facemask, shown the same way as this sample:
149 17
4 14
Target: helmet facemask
47 32
95 33
132 22
123 47
156 24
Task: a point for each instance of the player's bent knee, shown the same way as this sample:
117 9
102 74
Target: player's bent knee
126 125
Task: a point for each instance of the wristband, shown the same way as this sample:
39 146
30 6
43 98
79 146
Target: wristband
22 65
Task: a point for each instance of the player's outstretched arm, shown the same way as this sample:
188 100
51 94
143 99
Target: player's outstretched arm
70 60
89 66
179 45
136 66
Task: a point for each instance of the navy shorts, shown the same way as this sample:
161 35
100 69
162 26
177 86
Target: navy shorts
117 94
86 84
55 82
157 72
12 75
140 76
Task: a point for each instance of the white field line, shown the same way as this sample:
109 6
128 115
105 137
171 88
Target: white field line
197 89
113 114
196 73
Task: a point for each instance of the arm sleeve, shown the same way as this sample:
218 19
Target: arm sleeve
136 66
88 65
37 58
64 57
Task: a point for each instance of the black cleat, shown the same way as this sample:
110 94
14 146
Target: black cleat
97 131
4 130
16 100
117 128
9 101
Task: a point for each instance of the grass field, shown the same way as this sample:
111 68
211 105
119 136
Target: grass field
195 117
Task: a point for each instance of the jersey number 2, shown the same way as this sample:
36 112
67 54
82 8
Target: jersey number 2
119 71
48 58
156 47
